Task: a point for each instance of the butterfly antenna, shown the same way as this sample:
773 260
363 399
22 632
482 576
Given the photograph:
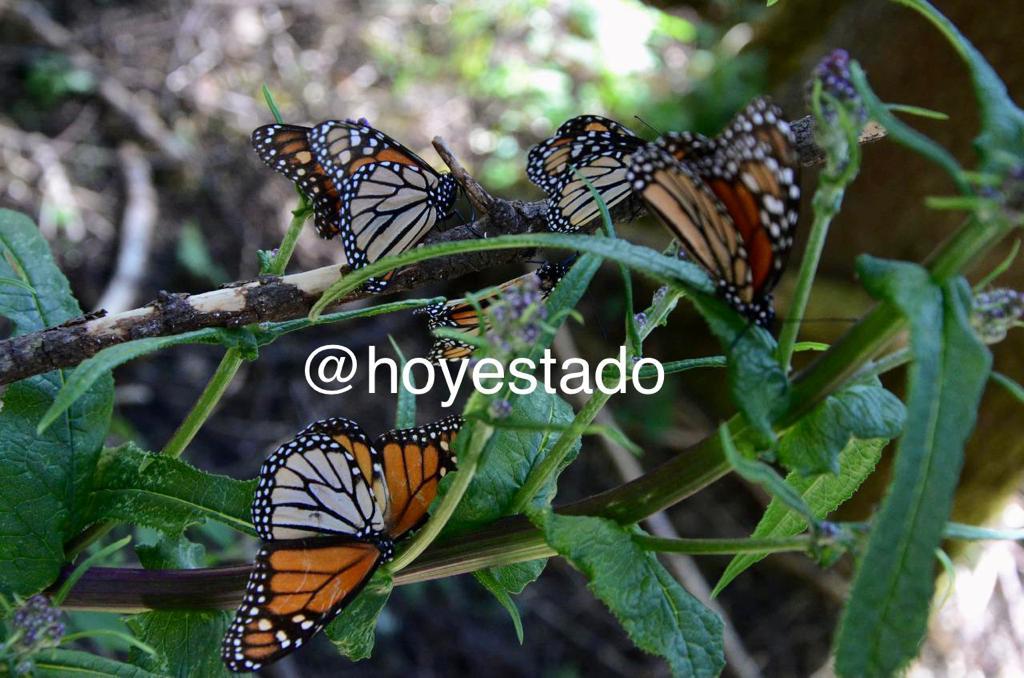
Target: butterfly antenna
647 125
468 223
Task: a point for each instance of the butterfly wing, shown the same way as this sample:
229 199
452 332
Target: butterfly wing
549 160
755 174
461 315
750 172
598 148
390 198
294 590
328 480
685 204
286 149
415 460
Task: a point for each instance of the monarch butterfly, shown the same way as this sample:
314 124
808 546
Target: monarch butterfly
462 315
599 149
732 201
373 192
329 506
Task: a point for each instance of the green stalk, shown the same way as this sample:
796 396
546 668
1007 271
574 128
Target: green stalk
664 269
842 166
232 360
725 547
208 400
548 466
126 638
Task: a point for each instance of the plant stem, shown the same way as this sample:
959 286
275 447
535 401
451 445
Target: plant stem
823 216
208 400
842 165
554 459
885 364
232 360
291 237
725 547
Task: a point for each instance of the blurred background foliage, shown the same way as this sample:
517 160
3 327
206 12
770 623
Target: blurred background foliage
84 86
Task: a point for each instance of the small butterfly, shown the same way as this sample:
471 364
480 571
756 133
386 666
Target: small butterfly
329 506
732 201
375 194
598 149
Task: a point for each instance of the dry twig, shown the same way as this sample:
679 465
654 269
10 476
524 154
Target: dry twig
136 231
288 297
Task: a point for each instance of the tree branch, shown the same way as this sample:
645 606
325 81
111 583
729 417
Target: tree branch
292 296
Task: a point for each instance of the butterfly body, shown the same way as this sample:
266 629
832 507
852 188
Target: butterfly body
367 189
732 201
329 506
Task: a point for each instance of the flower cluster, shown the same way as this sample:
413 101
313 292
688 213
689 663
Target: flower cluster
516 318
836 134
834 73
996 312
36 625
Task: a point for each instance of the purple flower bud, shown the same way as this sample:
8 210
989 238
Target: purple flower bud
39 623
501 409
834 73
641 320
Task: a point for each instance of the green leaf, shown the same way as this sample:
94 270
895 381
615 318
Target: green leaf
666 269
45 477
758 384
60 663
140 488
753 470
353 630
1002 122
187 643
904 133
887 613
860 411
918 111
822 493
514 578
657 613
158 551
100 365
498 590
507 460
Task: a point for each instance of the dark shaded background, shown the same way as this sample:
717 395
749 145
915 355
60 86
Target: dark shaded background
492 78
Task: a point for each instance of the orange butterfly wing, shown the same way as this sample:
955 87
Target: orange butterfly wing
295 589
286 149
415 460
